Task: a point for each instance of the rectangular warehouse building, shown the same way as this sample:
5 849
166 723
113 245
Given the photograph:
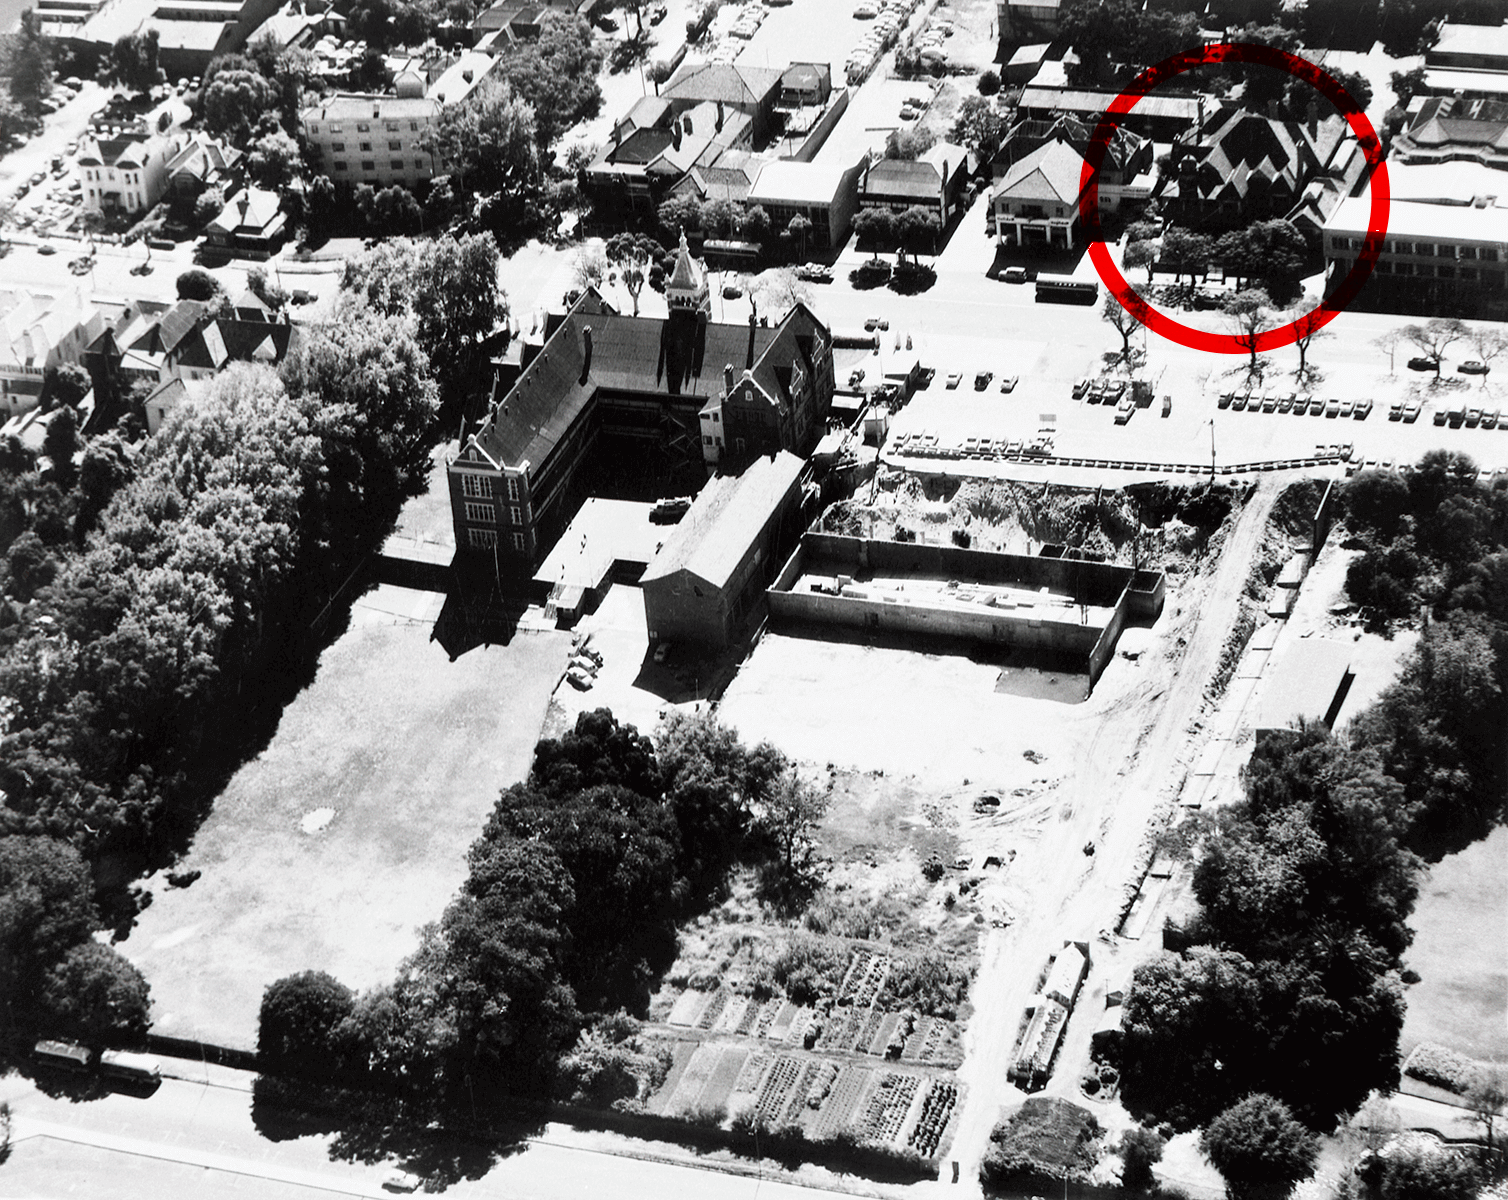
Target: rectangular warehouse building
713 568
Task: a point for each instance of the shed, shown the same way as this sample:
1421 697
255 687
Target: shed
1067 973
1309 684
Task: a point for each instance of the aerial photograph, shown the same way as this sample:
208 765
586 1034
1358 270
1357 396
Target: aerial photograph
684 599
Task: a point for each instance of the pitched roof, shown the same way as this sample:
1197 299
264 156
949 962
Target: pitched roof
729 513
675 356
732 83
1050 172
687 276
894 177
250 208
1478 41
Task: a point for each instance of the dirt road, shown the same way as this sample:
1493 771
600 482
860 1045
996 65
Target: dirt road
1135 741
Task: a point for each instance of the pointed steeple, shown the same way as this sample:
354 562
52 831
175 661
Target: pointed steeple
687 286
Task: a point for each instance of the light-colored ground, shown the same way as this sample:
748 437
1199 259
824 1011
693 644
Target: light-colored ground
1461 954
409 751
1106 765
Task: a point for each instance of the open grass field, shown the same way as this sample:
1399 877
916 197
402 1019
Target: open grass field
1460 953
332 847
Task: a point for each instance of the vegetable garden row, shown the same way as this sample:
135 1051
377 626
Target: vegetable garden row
894 1109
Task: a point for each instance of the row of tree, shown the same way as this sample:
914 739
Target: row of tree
567 918
164 594
1289 984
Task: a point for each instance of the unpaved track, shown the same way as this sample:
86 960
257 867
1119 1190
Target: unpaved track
1131 760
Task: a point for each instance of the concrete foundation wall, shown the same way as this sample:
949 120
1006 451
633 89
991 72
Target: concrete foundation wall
1128 593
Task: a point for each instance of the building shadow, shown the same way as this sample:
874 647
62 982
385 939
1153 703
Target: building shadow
479 612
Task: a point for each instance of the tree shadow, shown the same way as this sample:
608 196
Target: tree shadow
442 1147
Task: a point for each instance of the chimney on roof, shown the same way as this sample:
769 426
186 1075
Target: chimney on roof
687 120
719 116
728 377
586 352
1311 118
1272 108
749 365
468 75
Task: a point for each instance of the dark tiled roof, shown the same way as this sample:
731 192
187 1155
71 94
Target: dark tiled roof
893 177
163 335
676 356
723 81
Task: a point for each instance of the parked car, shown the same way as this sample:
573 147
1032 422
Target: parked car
1346 407
1490 419
1363 409
1014 275
606 24
1332 408
401 1181
1269 403
731 291
1225 399
1421 364
982 380
1472 366
662 652
39 177
1238 402
1395 411
1411 411
856 377
658 14
1080 388
1008 384
46 248
954 379
1473 417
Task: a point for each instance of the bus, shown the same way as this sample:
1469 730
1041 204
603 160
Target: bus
1064 289
123 1064
63 1055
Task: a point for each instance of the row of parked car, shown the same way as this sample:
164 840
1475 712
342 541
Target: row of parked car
1469 415
1290 402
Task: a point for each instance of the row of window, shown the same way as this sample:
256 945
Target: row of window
369 166
365 127
1424 249
486 539
477 511
477 486
1492 279
126 176
366 147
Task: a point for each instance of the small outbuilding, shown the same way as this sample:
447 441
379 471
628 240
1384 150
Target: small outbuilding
1309 684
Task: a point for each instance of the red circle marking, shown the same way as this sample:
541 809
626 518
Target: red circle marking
1089 203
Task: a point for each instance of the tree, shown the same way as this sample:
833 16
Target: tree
26 59
197 284
989 82
46 907
1258 1147
917 229
1307 327
233 99
875 226
60 443
274 160
678 215
393 210
1488 343
1248 314
28 566
1388 342
755 226
1486 1098
909 144
1184 253
490 141
1141 254
788 815
555 74
67 384
1140 1149
1122 320
778 290
979 127
1419 1172
208 206
633 254
95 997
133 62
1406 85
800 228
1436 336
589 267
298 1023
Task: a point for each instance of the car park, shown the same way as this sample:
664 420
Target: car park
954 379
1421 364
1472 367
1008 384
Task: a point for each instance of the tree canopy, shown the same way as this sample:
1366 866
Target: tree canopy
1256 1144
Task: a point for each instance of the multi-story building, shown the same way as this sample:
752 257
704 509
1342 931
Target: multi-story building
124 175
641 378
1443 254
1036 200
825 194
934 180
1449 129
1023 19
1468 61
38 332
1126 173
382 140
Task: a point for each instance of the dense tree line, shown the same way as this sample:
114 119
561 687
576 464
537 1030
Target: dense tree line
564 924
1289 982
164 595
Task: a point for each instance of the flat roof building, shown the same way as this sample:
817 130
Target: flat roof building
1309 684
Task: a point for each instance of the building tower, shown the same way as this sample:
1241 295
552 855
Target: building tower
686 290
